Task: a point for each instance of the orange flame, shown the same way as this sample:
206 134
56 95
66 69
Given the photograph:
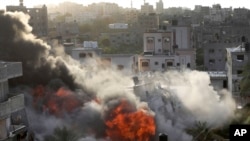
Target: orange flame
130 126
63 100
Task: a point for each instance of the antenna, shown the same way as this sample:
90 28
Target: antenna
131 4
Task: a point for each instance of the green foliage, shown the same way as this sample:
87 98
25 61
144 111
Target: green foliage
123 49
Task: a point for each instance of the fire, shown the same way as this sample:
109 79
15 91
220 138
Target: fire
127 125
56 103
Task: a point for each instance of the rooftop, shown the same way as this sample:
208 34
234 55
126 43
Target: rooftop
236 49
217 73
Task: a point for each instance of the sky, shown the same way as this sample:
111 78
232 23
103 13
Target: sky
136 3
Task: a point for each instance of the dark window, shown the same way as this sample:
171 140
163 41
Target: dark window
159 40
145 64
211 50
178 64
239 71
163 65
224 83
211 61
120 67
169 63
156 63
188 65
82 55
240 57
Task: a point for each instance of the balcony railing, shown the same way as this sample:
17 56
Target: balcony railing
13 104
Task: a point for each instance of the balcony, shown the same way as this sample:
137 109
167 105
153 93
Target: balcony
13 104
10 70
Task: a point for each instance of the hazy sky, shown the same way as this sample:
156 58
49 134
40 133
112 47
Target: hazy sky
136 3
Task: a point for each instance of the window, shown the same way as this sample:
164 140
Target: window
239 71
240 57
169 63
90 54
178 64
156 63
166 39
150 40
120 67
144 64
82 55
163 65
159 40
211 61
211 50
188 65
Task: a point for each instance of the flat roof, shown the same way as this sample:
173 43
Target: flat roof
217 73
236 49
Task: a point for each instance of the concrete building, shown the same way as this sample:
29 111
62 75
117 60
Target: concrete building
12 114
38 17
118 26
118 39
147 8
159 7
148 21
122 62
237 58
81 18
218 79
131 16
215 55
161 52
66 29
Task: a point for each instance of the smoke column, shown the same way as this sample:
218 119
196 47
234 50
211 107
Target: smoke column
174 100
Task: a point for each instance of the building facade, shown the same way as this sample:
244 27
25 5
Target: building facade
159 7
12 125
161 52
237 58
38 18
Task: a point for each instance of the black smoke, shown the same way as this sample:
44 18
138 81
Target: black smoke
33 54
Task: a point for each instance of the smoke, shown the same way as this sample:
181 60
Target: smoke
182 98
175 99
17 43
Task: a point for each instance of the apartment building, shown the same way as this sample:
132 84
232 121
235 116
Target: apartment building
38 18
13 125
237 58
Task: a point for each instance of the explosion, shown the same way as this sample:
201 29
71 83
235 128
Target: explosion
128 125
175 108
56 103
